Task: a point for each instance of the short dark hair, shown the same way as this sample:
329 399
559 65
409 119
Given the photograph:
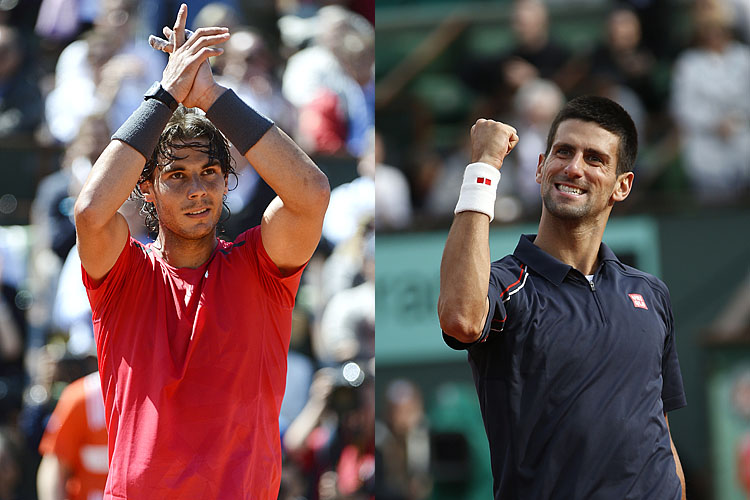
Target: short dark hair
608 115
186 129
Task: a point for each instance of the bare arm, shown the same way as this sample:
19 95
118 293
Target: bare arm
51 478
678 464
465 268
293 221
102 232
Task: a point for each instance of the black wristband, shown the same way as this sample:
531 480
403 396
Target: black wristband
144 127
240 123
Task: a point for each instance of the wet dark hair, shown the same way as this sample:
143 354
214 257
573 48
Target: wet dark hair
608 115
187 129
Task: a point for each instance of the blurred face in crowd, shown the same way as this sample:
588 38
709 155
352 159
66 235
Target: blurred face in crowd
188 194
246 56
624 30
578 177
10 52
530 22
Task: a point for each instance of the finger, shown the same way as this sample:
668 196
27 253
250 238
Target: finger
206 41
207 33
160 44
179 27
168 32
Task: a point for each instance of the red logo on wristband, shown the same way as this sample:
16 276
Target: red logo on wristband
482 180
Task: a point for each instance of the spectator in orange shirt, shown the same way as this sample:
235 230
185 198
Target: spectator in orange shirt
74 445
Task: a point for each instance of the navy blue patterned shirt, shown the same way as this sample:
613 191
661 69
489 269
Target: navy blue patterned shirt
574 378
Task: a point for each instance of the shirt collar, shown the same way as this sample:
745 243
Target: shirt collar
548 266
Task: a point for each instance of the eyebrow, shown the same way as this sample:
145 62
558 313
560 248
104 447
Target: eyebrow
177 167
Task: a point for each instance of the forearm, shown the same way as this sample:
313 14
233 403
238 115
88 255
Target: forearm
301 427
464 277
300 184
678 467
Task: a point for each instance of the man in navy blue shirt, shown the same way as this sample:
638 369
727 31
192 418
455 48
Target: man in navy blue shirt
572 352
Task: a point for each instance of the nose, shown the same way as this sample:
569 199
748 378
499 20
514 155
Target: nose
574 168
196 189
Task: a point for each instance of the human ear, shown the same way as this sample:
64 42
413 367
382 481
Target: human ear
539 169
623 185
147 188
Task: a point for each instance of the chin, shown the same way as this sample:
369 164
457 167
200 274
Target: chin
566 211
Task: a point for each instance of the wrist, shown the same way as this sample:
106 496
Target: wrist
489 160
211 96
479 189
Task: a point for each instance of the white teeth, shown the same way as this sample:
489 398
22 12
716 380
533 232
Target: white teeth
569 189
198 212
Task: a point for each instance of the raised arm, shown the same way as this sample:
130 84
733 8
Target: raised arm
465 268
293 221
101 231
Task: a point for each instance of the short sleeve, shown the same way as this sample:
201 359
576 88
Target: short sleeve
496 315
673 392
281 289
103 291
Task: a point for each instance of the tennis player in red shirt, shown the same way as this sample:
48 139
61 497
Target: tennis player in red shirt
192 332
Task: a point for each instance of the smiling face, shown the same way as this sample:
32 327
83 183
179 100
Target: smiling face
579 175
188 194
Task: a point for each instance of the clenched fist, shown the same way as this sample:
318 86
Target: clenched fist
491 142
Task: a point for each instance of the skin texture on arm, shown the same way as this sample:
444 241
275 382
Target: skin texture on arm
51 478
465 267
101 231
292 223
678 464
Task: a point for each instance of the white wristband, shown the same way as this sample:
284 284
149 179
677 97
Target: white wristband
479 189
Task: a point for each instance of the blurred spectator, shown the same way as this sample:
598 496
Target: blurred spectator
347 327
12 345
10 467
105 72
623 57
332 439
52 216
535 54
331 84
250 69
711 107
74 446
393 207
21 108
353 202
403 443
535 105
62 20
52 209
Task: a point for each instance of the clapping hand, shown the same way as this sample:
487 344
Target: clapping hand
188 76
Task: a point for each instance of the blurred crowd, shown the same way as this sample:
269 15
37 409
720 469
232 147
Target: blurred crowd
70 73
680 68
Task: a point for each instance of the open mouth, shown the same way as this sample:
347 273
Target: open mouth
568 189
198 213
